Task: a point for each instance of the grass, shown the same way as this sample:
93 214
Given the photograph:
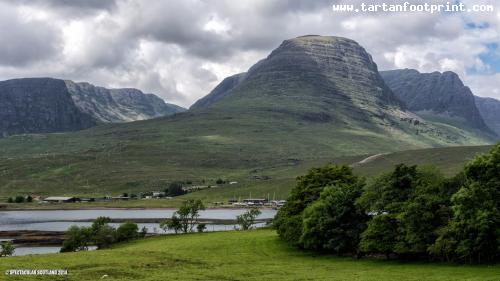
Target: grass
280 178
252 255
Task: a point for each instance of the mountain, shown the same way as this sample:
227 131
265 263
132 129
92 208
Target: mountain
220 91
46 105
437 96
118 105
490 111
313 100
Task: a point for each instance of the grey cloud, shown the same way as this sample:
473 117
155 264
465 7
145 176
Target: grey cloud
22 42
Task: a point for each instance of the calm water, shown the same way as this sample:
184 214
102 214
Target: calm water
60 220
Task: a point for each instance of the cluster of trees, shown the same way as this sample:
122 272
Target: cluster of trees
100 234
408 213
20 199
7 249
175 189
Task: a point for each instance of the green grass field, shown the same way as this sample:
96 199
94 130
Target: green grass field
449 160
252 255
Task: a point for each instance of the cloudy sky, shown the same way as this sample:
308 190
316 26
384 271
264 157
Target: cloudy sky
180 49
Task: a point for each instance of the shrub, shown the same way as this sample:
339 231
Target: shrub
7 249
127 231
247 219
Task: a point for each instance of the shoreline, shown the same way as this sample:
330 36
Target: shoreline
123 208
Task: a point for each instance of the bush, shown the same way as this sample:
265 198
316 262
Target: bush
127 231
77 239
201 227
19 199
6 249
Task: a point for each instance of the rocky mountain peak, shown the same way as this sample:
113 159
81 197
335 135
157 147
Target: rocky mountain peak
439 95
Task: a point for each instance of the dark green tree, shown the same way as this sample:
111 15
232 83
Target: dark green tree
473 233
174 189
334 223
380 235
288 221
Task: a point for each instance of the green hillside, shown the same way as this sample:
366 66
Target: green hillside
252 255
314 100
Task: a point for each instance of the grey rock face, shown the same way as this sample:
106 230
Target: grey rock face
118 105
490 111
39 105
442 94
46 105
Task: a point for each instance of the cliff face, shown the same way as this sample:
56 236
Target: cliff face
490 111
39 105
440 94
118 105
46 105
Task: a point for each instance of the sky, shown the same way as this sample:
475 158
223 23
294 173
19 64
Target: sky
181 49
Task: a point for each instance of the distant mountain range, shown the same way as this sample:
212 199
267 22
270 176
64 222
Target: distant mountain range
444 97
310 101
46 105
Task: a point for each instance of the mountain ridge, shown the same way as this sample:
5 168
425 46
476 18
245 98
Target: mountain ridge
48 105
436 95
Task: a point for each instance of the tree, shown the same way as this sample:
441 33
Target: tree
7 249
334 223
10 200
247 219
186 217
173 224
473 233
127 231
98 223
77 239
220 181
288 221
29 199
19 199
175 189
104 236
415 201
380 236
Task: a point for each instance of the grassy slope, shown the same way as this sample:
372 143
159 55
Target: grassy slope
253 255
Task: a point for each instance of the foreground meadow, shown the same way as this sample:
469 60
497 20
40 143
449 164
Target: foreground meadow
251 255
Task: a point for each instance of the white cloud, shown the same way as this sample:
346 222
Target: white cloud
180 49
